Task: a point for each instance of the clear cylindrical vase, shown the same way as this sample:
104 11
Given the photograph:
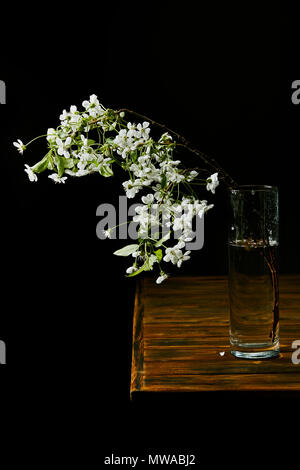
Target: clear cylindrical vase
253 272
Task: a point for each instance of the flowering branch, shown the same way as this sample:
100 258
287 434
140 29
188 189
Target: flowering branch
93 140
182 141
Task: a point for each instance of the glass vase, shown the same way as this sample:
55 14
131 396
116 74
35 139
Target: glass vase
253 272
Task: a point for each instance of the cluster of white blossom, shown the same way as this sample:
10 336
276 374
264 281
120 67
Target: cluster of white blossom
132 137
170 217
91 141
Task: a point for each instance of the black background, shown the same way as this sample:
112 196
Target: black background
221 76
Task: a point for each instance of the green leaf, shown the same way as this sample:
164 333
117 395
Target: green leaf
135 273
162 240
134 156
163 180
127 250
158 254
50 162
59 161
69 163
106 171
42 165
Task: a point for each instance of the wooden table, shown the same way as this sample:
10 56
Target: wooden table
180 328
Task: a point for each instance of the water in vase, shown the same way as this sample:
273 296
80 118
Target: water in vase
253 291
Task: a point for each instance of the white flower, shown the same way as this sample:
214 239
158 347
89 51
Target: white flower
131 127
131 188
63 146
148 199
187 236
171 255
144 159
183 223
151 260
93 106
107 233
165 138
20 146
64 115
31 175
93 101
182 257
192 175
174 175
75 120
141 210
125 142
131 269
70 119
143 130
51 135
176 256
129 139
84 141
212 183
57 179
161 278
201 207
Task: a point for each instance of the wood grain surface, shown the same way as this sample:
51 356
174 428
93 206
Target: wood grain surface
181 326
